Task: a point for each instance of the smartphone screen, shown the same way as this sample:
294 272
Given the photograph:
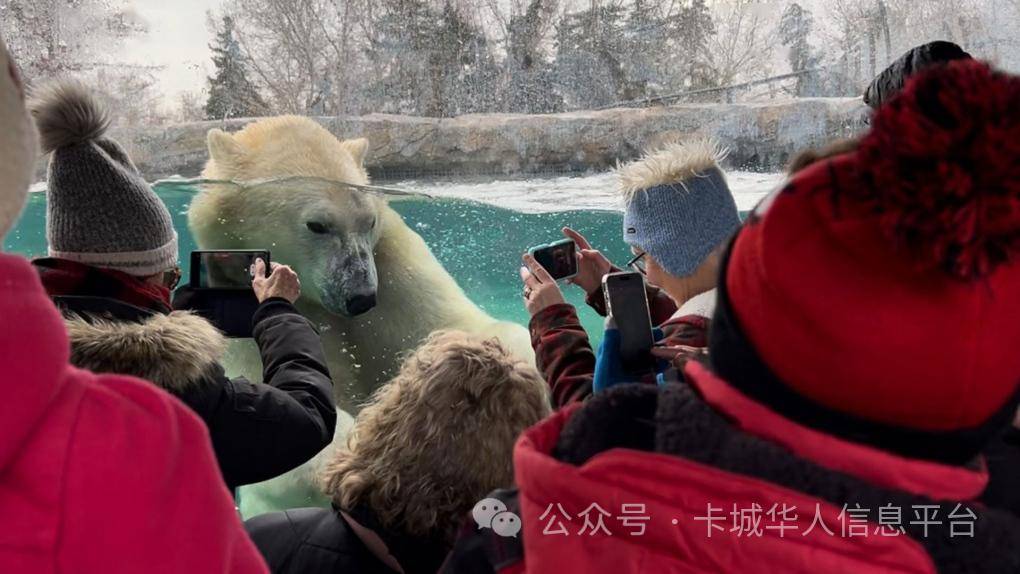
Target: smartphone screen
559 259
628 305
225 269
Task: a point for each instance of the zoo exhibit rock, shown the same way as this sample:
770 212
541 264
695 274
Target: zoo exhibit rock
760 136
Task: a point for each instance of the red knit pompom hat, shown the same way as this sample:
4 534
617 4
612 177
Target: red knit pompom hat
884 284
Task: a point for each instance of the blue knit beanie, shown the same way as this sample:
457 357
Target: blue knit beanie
679 208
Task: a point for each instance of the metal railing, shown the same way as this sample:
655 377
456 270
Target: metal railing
729 91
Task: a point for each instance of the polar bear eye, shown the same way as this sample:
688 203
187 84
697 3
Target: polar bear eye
316 227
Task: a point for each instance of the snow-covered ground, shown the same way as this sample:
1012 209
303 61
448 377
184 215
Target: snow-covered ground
544 195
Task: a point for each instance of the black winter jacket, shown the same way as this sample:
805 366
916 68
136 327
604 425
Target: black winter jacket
1003 457
258 431
321 541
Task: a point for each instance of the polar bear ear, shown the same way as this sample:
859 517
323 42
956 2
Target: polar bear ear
357 148
223 148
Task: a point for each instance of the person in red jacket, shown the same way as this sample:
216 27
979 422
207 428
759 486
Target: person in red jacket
102 474
862 356
679 214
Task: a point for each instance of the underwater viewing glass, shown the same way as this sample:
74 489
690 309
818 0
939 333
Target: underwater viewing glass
479 244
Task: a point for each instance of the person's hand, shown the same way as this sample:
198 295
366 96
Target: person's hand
282 282
540 289
592 266
678 355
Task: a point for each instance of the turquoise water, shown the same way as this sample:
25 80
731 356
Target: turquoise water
479 244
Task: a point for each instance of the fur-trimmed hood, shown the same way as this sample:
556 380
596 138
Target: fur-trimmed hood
176 351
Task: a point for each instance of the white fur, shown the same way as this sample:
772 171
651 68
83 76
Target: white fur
673 163
18 146
415 295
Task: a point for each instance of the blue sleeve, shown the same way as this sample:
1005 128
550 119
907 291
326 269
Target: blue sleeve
609 369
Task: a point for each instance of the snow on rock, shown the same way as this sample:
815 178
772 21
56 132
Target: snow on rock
760 136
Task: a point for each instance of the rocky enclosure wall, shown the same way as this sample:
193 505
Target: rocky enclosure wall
759 136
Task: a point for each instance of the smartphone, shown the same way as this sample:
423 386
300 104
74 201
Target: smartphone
225 269
627 303
558 258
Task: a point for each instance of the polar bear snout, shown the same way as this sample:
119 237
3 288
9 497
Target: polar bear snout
351 298
360 304
350 283
352 305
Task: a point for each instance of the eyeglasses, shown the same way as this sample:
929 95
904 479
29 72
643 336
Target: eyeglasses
171 278
638 263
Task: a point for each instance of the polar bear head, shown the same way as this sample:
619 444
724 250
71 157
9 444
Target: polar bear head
293 201
18 143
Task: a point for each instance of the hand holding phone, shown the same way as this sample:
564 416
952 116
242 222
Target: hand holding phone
558 258
627 304
227 286
283 282
592 265
540 289
226 269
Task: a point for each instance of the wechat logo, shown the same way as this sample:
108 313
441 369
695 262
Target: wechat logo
492 513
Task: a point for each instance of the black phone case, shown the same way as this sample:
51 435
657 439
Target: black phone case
641 362
229 310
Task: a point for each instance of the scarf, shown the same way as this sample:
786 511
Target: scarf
64 278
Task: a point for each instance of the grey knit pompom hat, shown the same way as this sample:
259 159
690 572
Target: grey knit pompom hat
100 211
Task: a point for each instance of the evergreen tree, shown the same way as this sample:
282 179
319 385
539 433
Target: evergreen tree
465 68
530 78
646 40
589 57
431 61
794 30
693 26
231 94
399 52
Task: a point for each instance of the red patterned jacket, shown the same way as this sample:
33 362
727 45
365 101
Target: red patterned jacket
564 354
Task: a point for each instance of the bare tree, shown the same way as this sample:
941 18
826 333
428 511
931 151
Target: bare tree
856 26
133 95
55 37
58 38
918 22
300 51
741 48
190 106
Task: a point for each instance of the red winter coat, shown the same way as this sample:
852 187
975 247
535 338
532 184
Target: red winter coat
100 474
654 504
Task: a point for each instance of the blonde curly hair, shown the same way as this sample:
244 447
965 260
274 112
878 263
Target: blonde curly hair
439 436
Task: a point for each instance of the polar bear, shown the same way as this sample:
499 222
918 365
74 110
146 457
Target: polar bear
368 281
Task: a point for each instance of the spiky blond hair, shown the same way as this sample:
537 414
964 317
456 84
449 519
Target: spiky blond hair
672 163
438 437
